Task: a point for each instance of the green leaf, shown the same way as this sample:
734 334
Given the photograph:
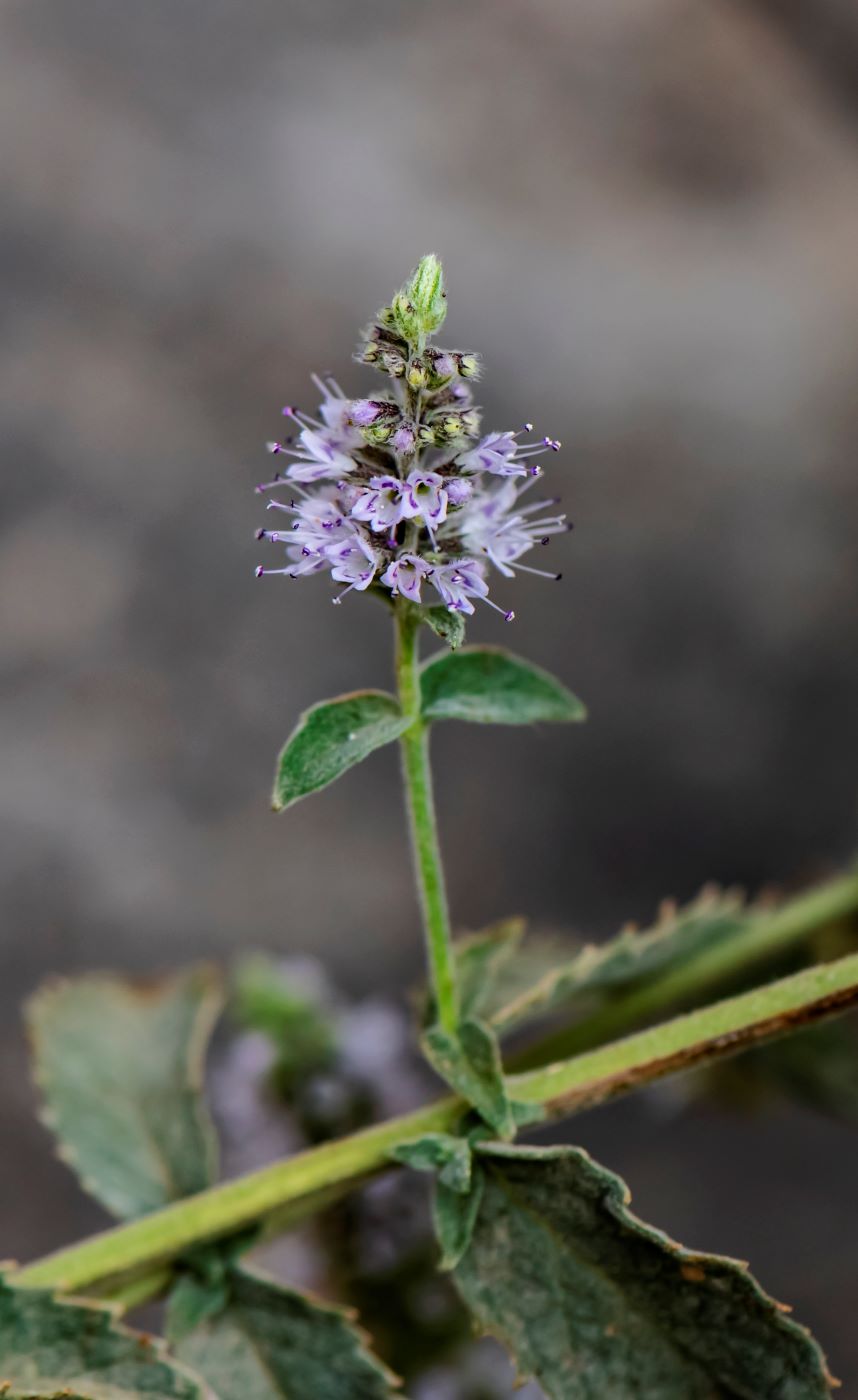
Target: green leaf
192 1302
470 1062
50 1346
592 1302
332 737
449 626
271 1342
120 1067
449 1156
454 1216
631 957
481 958
488 685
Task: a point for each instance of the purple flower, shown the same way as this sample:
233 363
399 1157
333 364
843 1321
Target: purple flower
501 454
459 489
438 507
458 582
405 575
425 498
404 439
365 412
382 506
354 562
493 523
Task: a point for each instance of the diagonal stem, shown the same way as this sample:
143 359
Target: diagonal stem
699 1037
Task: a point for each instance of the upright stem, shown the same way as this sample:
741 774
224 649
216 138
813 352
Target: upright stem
421 814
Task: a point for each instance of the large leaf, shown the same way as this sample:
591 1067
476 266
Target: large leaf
120 1066
488 685
678 936
271 1343
332 737
592 1302
50 1347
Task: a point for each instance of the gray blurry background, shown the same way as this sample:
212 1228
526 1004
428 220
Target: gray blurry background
648 212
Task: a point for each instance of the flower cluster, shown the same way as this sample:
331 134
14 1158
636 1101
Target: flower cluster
400 491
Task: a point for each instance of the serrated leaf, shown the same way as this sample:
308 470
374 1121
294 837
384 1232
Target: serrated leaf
332 737
480 960
487 685
120 1067
630 957
449 626
50 1346
592 1302
272 1343
469 1061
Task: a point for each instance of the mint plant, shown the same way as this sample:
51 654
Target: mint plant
399 497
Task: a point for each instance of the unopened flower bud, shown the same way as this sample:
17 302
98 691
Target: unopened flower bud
442 367
393 363
416 374
468 365
404 440
370 353
365 412
419 308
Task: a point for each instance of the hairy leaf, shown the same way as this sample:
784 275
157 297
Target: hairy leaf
449 1156
120 1067
470 1062
679 935
271 1343
488 685
49 1346
454 1216
449 626
592 1302
481 958
332 737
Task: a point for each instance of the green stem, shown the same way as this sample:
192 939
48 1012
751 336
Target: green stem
417 776
756 941
310 1177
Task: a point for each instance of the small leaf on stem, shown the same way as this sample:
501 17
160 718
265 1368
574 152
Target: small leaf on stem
332 737
469 1061
487 685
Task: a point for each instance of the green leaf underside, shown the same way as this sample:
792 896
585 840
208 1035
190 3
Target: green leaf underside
332 737
271 1343
449 1156
120 1068
480 960
470 1063
487 685
594 1303
449 626
454 1216
630 957
50 1347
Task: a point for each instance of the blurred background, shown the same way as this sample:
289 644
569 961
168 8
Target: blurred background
648 214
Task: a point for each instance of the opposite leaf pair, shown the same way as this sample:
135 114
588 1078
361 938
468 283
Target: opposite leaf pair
484 685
